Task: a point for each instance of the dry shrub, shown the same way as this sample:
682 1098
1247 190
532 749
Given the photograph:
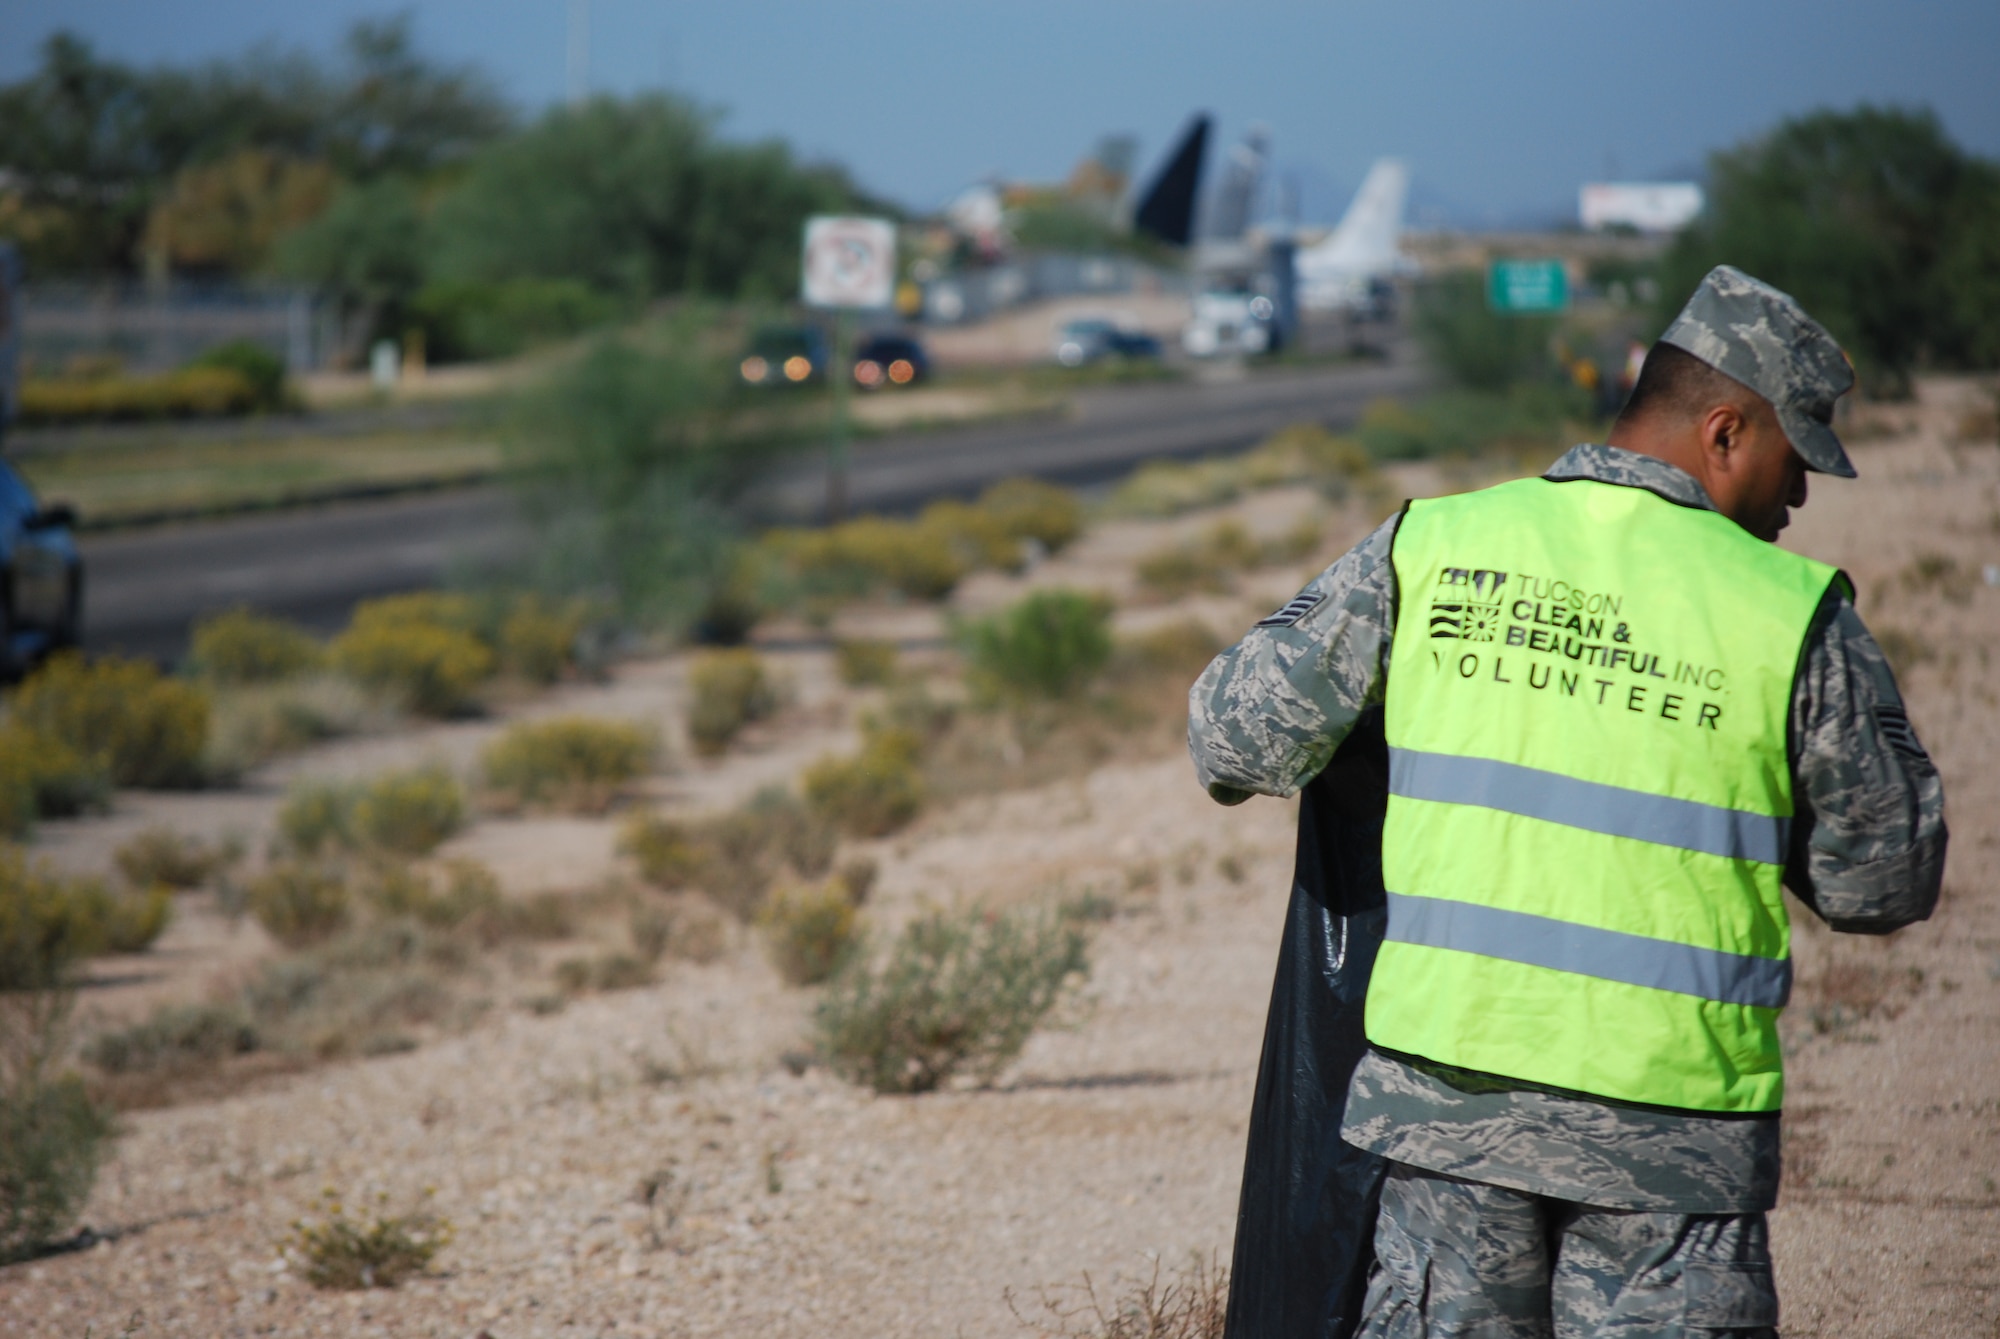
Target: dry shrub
1028 509
138 727
864 662
299 902
374 1251
869 554
578 763
872 793
976 538
1222 550
1941 573
52 1134
809 930
731 689
1178 649
608 971
732 857
1050 644
537 640
158 855
176 1039
409 812
254 723
48 922
959 992
43 777
317 816
133 920
428 669
451 895
544 918
244 647
1905 650
191 392
1191 1304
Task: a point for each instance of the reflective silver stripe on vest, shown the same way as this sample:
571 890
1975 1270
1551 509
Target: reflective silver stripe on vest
1591 805
1611 955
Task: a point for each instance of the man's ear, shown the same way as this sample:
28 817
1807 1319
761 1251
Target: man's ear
1721 433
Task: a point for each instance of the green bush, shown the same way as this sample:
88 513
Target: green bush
1477 347
132 921
174 1037
732 857
257 365
48 923
498 320
874 792
299 902
808 930
429 669
244 647
577 763
51 1139
960 992
1049 645
123 716
863 662
160 856
409 812
1031 509
976 536
200 392
730 689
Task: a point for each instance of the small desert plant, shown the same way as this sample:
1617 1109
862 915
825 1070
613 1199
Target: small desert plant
377 1250
609 971
1049 645
863 662
960 992
409 812
451 895
1031 509
159 855
975 536
538 640
43 777
1191 1304
48 923
51 1133
872 793
429 670
730 690
253 723
317 816
1182 648
299 902
133 920
808 930
243 647
545 917
140 728
732 857
573 762
669 854
175 1037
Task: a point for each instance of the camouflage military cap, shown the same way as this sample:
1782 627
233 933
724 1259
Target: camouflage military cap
1749 331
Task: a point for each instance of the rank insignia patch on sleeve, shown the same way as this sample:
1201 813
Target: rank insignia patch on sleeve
1894 723
1295 609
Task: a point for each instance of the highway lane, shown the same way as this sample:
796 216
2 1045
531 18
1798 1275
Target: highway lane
146 587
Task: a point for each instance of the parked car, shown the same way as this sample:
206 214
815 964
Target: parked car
890 359
1093 339
787 355
41 577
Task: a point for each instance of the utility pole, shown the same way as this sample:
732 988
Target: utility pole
579 52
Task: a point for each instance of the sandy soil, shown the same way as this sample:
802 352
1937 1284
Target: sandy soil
801 1206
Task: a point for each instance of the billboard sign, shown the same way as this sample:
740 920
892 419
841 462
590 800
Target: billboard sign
1527 286
1648 206
849 262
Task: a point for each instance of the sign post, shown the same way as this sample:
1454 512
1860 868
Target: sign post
849 266
1527 286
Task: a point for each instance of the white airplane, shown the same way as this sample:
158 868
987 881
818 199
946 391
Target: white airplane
1342 271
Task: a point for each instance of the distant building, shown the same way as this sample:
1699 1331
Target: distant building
1648 206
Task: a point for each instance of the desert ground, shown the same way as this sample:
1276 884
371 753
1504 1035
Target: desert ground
658 1161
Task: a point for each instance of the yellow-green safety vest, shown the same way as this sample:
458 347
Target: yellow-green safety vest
1590 794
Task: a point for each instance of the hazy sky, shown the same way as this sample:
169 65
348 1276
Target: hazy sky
1502 107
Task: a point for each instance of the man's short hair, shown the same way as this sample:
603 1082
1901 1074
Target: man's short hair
1675 385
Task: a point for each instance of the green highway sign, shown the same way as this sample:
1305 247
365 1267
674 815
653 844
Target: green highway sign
1527 286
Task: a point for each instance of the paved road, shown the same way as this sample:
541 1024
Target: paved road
145 587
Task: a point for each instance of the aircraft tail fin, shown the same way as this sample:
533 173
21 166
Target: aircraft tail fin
1167 209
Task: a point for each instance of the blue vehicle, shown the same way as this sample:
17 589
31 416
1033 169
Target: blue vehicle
41 577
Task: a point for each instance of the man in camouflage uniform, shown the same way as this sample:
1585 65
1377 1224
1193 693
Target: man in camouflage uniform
1516 1210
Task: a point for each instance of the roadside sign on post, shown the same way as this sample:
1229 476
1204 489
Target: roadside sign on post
849 265
1527 286
849 262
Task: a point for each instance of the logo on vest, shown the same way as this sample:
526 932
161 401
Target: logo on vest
1467 605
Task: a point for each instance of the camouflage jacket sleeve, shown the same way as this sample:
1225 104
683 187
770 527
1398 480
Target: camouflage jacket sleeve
1868 839
1267 714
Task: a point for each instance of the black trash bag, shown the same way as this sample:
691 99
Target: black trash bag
1305 1224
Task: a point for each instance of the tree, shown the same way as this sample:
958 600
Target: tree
1874 219
225 216
366 251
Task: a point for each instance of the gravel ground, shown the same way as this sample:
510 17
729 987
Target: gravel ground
801 1206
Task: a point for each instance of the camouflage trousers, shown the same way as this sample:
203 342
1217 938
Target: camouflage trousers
1466 1260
